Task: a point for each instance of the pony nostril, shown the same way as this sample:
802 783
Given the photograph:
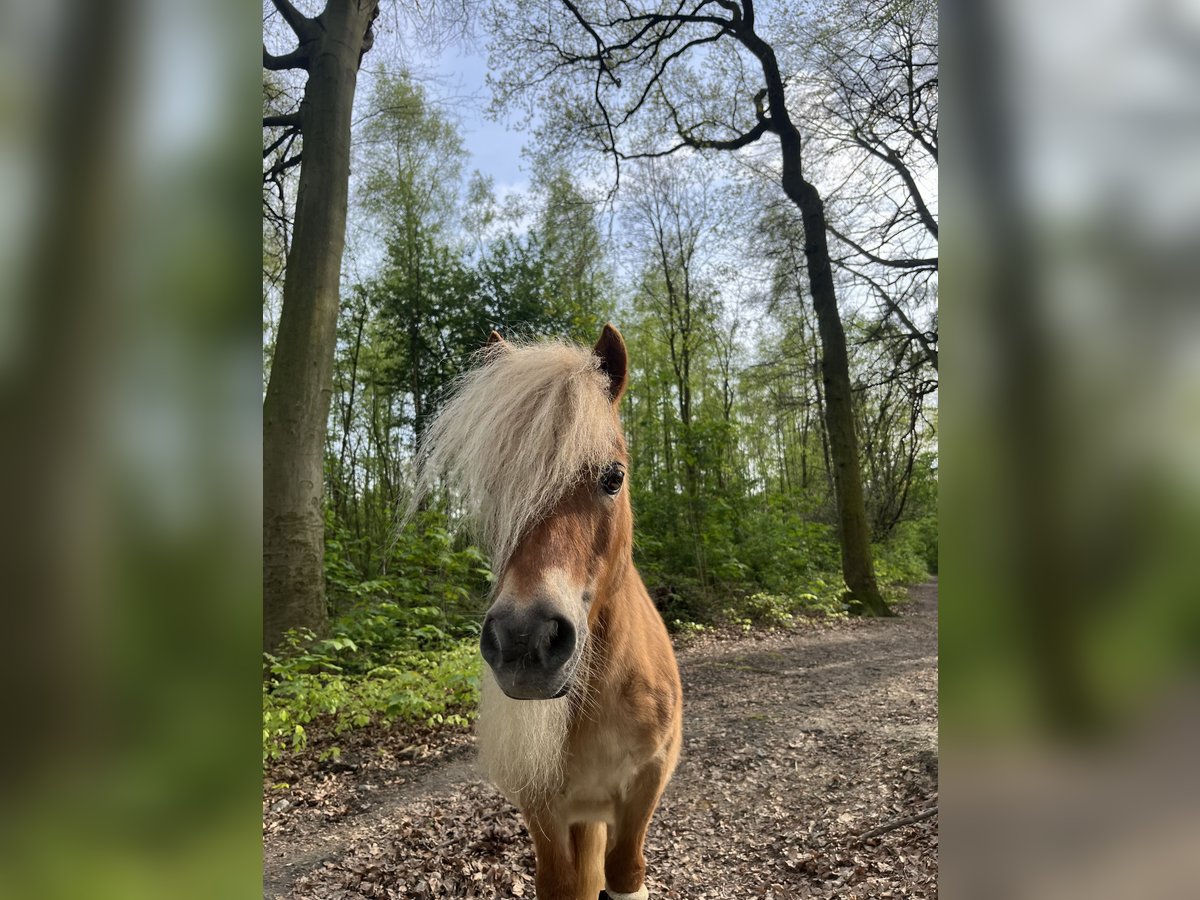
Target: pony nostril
557 642
489 643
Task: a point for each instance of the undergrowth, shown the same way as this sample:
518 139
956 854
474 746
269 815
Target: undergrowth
403 649
325 681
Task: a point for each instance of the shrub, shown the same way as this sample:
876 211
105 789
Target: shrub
315 680
403 646
902 559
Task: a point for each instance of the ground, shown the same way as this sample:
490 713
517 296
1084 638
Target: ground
796 744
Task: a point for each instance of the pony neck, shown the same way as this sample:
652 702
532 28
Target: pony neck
614 601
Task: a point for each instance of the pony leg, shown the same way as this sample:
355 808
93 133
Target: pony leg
587 844
624 865
555 877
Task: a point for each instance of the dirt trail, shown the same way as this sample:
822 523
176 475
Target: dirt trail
794 744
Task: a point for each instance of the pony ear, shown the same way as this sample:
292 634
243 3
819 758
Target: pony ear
494 338
614 361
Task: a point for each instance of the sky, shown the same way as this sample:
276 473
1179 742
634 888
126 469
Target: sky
454 72
495 147
456 76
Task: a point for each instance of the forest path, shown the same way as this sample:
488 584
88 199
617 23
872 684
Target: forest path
794 743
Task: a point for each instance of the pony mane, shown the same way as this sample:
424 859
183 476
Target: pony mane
517 431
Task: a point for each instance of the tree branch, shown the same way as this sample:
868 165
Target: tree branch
296 59
929 262
282 166
286 120
601 50
278 142
898 823
914 333
742 140
889 156
748 6
369 34
303 26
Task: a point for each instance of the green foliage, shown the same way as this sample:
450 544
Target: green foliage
906 557
775 610
353 683
403 645
428 581
337 680
926 535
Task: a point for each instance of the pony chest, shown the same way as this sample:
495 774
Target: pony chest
599 776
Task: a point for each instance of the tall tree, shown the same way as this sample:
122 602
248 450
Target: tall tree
295 411
573 248
411 163
638 81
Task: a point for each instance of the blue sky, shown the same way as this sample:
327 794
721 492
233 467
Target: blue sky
453 71
460 75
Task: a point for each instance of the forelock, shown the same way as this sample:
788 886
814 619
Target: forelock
517 432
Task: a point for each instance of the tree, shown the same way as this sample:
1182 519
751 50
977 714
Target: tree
626 85
573 249
411 159
874 99
669 216
295 411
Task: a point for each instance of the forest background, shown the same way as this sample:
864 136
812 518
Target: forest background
696 255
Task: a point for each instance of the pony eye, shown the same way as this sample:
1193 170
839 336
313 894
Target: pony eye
612 479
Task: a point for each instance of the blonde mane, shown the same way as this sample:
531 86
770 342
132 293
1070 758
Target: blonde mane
517 432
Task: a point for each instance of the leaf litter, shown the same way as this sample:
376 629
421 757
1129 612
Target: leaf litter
795 744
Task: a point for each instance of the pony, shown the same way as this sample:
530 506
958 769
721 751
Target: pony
580 715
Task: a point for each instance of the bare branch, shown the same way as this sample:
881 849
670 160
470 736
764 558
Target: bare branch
765 124
742 140
898 823
282 166
925 340
656 77
286 120
732 7
304 27
929 262
296 59
601 50
278 142
873 145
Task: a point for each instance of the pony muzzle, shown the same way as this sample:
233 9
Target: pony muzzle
532 649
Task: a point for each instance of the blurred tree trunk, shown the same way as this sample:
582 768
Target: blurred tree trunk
298 395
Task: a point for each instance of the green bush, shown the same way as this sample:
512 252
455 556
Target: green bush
819 597
422 567
403 644
904 558
319 679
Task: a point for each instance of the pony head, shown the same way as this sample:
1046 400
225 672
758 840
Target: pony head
531 442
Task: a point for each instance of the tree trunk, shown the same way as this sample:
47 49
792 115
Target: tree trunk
298 394
345 482
853 531
857 568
